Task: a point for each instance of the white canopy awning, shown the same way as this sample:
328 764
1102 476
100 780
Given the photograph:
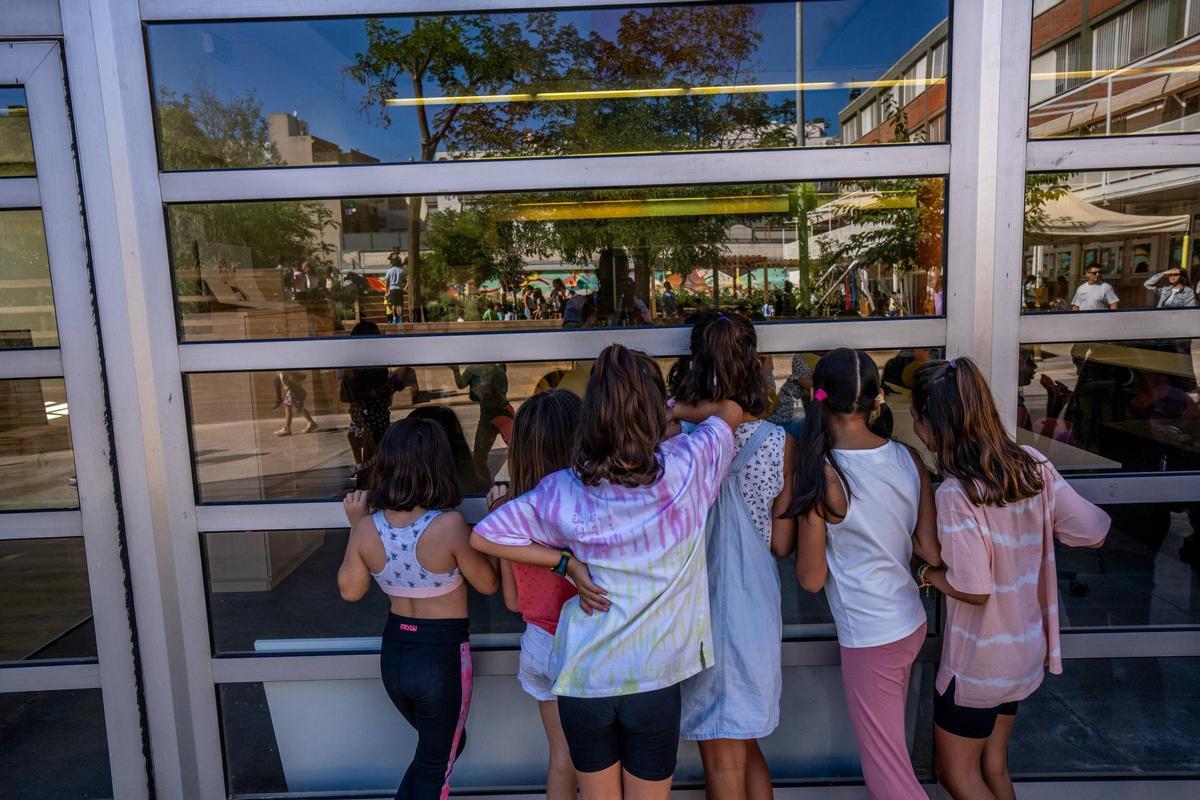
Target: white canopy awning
1069 218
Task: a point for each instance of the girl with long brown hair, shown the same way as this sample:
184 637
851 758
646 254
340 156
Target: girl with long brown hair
543 442
632 507
999 510
864 505
730 706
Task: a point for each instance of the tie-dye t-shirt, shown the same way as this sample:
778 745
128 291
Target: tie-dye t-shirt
645 547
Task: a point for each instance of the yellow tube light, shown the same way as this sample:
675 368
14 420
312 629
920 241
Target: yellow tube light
669 91
656 207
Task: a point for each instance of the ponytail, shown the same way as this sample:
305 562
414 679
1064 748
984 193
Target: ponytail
844 382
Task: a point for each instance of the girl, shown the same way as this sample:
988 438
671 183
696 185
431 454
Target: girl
729 707
291 393
998 512
543 439
419 554
864 504
632 506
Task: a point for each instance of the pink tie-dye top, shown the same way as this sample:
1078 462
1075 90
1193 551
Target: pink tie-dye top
645 547
997 652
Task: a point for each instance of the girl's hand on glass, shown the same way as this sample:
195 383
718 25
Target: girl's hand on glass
497 494
591 597
356 507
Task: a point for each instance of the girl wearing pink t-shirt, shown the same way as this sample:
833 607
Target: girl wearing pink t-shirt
543 438
999 511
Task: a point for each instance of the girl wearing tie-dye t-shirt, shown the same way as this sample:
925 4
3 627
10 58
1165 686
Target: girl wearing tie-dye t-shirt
632 508
999 510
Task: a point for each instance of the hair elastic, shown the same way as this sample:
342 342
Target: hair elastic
954 363
819 395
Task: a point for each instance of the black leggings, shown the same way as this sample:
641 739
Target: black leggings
426 669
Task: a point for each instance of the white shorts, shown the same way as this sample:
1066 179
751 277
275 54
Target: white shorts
534 670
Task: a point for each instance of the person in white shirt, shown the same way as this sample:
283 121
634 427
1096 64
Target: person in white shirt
1095 295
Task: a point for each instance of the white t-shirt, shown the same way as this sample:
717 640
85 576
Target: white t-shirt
1096 297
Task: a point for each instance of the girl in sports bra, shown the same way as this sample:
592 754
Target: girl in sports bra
419 555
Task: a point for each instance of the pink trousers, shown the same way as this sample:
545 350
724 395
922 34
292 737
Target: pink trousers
876 684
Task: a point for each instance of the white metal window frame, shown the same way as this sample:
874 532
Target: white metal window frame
124 196
37 66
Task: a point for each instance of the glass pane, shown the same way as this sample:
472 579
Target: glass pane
45 605
1112 715
1147 573
26 301
567 82
1113 239
239 419
550 260
16 143
345 735
1094 73
276 592
54 745
1111 406
37 466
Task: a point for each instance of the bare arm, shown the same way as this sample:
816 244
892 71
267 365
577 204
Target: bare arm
354 577
783 530
937 577
727 410
591 596
811 567
925 537
476 567
508 585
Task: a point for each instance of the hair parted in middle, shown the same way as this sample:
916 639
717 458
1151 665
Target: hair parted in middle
624 420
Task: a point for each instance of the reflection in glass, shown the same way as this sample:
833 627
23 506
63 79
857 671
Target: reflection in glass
26 301
1094 73
1112 715
548 83
37 467
1108 240
554 260
45 607
1148 572
1111 406
54 745
242 454
16 142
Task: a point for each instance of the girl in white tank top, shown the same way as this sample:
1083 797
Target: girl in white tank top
864 504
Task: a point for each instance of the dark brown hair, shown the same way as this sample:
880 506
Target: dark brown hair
414 467
543 438
954 401
623 420
844 382
724 365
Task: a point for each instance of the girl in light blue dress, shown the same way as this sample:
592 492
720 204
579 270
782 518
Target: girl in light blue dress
735 702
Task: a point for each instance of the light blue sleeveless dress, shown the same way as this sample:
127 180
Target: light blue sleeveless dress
738 696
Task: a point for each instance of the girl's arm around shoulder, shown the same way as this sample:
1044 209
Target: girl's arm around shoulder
726 410
477 568
783 529
925 535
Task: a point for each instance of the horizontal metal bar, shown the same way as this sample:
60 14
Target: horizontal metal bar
294 516
19 60
1130 644
19 192
1110 326
340 666
22 19
580 172
543 346
1118 152
161 10
36 363
40 524
48 677
1161 487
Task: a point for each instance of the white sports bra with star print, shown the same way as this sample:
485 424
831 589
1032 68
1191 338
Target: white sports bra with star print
403 575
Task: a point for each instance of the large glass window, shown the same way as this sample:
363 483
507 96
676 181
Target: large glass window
37 466
26 300
1111 239
566 82
16 143
53 744
1100 407
45 607
552 260
1129 72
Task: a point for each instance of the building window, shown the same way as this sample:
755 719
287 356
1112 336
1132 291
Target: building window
937 60
1055 71
1041 6
1191 21
913 82
1136 32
